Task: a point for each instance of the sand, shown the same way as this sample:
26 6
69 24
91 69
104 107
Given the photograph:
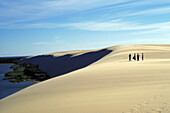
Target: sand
111 84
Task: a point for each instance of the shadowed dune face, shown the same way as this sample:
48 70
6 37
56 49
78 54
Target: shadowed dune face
56 66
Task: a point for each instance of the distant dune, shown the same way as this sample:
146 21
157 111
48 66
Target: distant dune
98 81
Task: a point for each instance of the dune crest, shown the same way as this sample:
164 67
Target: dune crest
65 63
110 84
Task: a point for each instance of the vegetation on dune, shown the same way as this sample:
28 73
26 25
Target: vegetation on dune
25 72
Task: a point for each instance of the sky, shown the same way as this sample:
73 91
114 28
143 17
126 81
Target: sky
33 27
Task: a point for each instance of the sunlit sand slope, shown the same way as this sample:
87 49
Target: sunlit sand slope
109 85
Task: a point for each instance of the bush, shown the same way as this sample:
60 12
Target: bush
15 66
25 72
13 80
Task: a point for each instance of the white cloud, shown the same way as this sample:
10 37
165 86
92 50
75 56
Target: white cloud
23 11
42 43
56 40
27 10
14 12
114 25
151 2
119 26
155 11
138 7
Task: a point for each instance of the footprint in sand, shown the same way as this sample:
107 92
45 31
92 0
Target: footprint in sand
156 104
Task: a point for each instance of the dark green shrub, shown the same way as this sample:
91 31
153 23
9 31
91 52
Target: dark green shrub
25 72
13 80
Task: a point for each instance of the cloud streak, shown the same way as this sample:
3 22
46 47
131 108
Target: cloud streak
22 11
119 26
113 26
155 11
31 14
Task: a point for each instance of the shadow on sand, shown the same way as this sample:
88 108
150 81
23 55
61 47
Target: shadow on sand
56 66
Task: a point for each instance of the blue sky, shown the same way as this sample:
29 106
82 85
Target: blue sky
32 27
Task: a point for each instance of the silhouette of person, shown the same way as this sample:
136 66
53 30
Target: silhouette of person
134 57
129 57
142 56
138 56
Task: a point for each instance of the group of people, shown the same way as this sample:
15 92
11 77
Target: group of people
135 57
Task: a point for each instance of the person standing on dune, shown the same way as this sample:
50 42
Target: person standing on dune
138 56
129 57
142 56
134 57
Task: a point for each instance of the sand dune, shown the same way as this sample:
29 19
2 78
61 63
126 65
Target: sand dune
109 84
57 64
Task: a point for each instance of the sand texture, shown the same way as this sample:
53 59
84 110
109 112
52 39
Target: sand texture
108 84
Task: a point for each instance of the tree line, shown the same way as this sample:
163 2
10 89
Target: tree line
10 59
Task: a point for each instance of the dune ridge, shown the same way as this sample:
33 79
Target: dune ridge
111 84
60 63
